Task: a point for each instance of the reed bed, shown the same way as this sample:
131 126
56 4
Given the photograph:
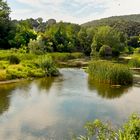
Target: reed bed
107 72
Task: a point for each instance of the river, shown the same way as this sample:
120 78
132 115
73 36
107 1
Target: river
57 108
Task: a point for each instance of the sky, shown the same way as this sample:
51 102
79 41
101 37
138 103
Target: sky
75 11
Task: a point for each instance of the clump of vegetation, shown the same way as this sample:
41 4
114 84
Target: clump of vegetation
13 59
100 131
105 51
36 46
3 75
107 72
66 56
134 62
49 66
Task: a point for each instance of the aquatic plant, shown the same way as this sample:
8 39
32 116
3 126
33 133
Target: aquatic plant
107 72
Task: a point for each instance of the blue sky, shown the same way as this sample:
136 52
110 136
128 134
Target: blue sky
76 11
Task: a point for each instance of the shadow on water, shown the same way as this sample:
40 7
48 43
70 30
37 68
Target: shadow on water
106 91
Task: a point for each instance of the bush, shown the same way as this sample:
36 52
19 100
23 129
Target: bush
36 73
3 75
48 64
105 51
16 72
36 46
13 59
4 64
107 72
100 131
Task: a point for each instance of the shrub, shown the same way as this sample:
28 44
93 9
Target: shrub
36 46
16 72
36 73
2 75
4 64
48 64
105 51
13 59
107 72
100 131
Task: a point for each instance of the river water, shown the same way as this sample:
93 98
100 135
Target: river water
57 108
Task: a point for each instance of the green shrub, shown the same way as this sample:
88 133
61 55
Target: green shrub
100 131
16 72
13 59
2 75
105 51
107 72
36 73
36 46
49 66
4 64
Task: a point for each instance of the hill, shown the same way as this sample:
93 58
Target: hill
111 20
129 24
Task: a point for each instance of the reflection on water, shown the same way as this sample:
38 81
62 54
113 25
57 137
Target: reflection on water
107 91
56 108
5 94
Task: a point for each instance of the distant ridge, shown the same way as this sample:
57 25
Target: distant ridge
113 19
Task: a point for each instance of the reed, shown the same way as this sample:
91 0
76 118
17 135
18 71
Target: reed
107 72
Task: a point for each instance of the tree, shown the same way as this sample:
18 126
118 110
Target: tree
85 40
24 33
134 41
106 35
4 24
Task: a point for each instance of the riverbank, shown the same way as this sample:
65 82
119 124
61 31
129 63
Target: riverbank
11 81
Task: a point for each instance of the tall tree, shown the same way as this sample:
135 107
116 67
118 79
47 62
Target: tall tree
4 24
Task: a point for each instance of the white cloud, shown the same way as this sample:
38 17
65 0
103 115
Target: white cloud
78 11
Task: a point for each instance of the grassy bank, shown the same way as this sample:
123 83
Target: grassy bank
107 72
16 65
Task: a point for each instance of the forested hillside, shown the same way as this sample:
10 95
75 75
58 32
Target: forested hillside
113 19
121 34
129 24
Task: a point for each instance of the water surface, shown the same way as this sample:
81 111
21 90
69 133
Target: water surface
57 108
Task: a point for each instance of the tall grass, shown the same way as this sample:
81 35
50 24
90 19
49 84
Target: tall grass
107 72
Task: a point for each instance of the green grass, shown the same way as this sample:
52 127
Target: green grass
107 72
66 56
16 65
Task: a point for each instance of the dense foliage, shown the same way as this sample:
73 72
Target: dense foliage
37 36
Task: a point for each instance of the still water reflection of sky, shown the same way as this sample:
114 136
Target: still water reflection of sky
57 108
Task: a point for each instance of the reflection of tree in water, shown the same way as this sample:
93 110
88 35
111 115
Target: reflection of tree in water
45 83
5 91
5 94
105 90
